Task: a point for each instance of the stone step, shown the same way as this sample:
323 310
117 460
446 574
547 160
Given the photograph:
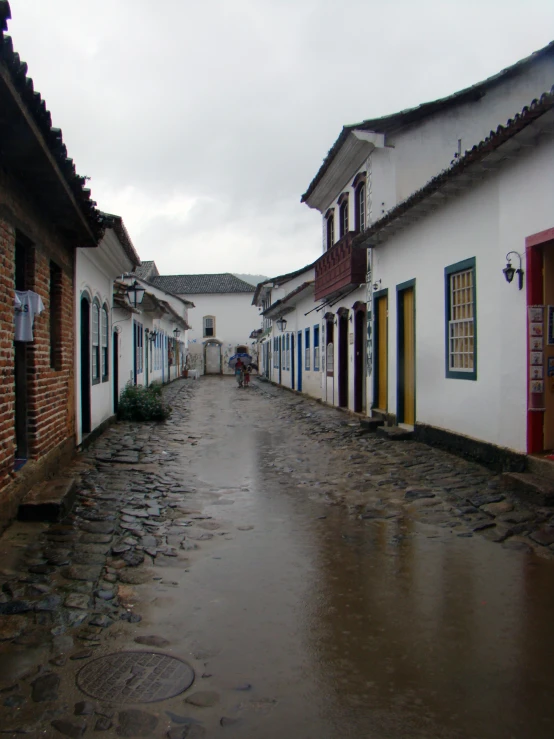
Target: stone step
371 424
541 466
395 433
48 501
530 488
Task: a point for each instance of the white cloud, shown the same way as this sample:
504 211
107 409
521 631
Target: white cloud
202 123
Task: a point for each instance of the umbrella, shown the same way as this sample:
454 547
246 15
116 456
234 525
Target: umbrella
245 358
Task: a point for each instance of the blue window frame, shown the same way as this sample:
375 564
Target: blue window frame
460 304
316 348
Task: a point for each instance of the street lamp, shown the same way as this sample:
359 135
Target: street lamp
510 271
176 332
281 324
135 293
153 335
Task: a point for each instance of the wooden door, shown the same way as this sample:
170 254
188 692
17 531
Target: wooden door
213 359
115 371
408 356
343 360
382 355
299 361
359 360
86 412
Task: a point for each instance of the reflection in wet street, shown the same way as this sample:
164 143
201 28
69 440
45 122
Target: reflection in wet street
301 618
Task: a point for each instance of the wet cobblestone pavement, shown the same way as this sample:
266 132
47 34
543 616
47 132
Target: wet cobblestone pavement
319 581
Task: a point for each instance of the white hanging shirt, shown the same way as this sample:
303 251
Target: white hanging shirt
30 304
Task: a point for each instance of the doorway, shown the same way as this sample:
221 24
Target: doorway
280 360
115 371
292 361
359 359
213 358
299 358
380 381
406 353
85 366
343 358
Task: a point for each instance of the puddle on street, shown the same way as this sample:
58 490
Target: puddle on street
343 627
299 618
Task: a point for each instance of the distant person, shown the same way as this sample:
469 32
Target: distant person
239 372
247 373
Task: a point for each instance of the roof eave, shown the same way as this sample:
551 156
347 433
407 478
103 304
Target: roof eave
505 144
347 155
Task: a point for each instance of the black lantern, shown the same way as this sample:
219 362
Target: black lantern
153 335
281 324
510 271
135 293
176 332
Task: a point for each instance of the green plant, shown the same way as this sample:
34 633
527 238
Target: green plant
138 403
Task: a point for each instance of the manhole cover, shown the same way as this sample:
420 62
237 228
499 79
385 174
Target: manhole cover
135 677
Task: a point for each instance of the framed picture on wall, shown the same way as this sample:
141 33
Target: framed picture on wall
536 343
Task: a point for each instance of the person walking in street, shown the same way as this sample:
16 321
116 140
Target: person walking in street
239 372
247 372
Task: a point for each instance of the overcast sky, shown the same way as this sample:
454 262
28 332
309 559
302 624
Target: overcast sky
202 123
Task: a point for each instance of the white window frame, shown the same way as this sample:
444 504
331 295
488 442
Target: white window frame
461 334
205 326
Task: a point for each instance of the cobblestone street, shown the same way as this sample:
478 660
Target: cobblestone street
260 567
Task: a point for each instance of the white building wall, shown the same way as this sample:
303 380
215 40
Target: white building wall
235 319
95 271
419 152
425 149
486 223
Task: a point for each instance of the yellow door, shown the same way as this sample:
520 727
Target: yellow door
409 356
382 307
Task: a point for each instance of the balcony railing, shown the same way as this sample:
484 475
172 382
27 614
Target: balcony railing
340 267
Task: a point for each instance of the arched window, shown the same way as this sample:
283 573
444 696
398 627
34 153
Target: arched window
104 343
360 207
95 342
330 228
343 214
344 219
359 186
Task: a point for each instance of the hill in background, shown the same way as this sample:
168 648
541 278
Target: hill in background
252 279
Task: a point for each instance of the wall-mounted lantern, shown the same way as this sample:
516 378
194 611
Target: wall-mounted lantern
135 293
281 324
176 332
510 271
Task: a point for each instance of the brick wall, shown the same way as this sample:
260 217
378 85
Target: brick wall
7 397
51 404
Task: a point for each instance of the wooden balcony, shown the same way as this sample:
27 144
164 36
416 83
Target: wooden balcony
340 268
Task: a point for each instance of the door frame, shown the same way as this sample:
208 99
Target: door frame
292 360
376 344
299 360
115 370
534 283
280 361
400 290
85 348
343 385
219 345
360 331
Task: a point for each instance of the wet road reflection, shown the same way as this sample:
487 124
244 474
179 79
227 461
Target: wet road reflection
350 628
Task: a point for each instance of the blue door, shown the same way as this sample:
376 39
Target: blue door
299 387
280 359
